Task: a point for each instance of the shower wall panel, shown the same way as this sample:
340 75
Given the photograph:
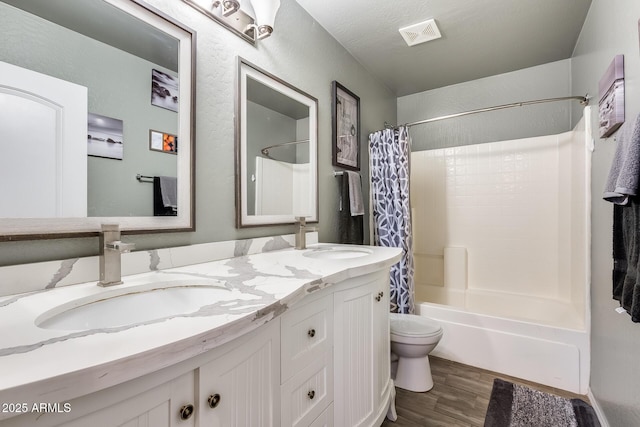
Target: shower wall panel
508 203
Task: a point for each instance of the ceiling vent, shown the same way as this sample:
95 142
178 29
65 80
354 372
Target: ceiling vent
420 33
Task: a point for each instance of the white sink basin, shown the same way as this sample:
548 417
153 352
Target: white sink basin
333 253
120 307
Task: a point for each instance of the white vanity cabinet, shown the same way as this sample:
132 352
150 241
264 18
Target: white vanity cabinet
361 351
323 362
335 347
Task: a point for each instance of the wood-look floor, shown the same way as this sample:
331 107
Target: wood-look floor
459 397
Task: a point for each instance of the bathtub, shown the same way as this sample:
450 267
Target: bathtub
502 254
541 352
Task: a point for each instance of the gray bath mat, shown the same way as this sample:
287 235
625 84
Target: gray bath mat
514 405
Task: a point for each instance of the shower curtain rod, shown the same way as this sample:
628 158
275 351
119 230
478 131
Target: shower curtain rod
584 100
265 150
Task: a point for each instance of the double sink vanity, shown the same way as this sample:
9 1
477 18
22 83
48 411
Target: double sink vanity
277 338
239 333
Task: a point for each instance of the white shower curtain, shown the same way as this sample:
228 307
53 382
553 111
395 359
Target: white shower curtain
389 153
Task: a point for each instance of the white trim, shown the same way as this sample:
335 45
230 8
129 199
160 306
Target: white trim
599 412
248 71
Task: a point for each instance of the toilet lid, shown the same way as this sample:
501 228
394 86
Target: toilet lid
410 325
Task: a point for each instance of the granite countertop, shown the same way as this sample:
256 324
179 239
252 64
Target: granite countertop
52 365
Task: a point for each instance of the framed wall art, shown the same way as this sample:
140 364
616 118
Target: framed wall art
165 142
345 123
164 90
611 104
105 137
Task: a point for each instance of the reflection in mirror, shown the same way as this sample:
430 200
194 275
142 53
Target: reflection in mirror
276 145
96 96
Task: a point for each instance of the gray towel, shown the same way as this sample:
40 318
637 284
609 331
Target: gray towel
355 194
169 190
350 227
626 257
624 175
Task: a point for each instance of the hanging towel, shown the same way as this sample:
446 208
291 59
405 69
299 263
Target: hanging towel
624 175
619 253
160 208
356 204
626 259
169 191
350 228
622 189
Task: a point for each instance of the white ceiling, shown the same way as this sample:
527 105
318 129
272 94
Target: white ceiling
480 38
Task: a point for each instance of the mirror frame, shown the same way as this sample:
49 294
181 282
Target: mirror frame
244 69
54 228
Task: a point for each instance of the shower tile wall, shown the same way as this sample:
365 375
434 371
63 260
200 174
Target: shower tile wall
505 204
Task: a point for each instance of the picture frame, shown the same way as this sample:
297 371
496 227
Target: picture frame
163 142
345 127
165 91
611 103
105 137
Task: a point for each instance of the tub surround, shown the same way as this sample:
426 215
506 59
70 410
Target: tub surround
52 365
487 211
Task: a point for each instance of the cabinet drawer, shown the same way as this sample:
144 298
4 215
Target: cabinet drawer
309 392
307 331
325 419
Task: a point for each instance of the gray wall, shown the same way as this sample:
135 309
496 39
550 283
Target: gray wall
119 86
300 52
544 81
611 28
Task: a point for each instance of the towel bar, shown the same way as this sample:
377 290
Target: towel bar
141 177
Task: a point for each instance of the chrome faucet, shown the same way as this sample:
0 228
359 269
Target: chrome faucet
110 250
301 232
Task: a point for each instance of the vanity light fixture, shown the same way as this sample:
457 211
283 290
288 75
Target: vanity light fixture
265 13
250 19
229 7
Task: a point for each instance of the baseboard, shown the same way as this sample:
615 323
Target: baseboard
598 409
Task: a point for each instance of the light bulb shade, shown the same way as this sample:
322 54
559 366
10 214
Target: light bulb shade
246 7
229 7
265 11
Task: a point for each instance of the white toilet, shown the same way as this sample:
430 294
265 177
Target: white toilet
412 339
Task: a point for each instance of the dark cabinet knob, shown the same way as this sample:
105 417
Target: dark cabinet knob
311 394
311 333
213 400
186 412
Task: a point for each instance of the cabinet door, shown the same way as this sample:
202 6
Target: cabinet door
243 385
382 342
158 407
354 355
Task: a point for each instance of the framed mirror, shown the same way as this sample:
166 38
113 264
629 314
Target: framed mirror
276 150
97 109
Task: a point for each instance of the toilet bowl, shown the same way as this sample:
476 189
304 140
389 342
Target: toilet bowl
412 339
